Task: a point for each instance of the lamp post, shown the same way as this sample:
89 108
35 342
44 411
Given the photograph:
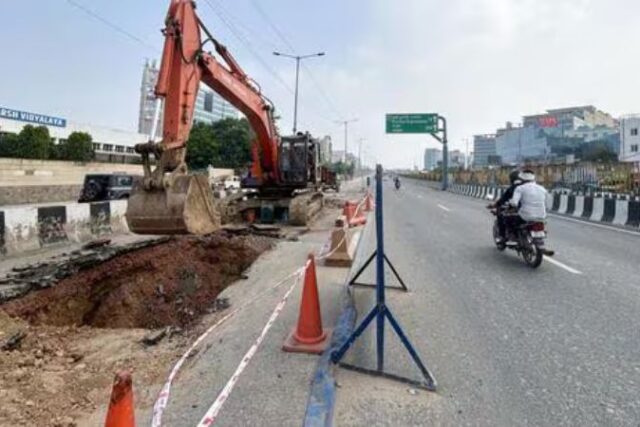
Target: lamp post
346 126
298 58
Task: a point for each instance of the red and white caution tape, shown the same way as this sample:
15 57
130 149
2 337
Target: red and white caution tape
163 397
210 416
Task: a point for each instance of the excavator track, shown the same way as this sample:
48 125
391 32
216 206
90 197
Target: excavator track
304 207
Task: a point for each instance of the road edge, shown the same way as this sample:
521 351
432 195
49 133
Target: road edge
322 394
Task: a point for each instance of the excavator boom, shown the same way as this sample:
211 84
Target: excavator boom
167 200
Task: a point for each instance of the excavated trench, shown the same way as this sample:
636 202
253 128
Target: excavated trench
170 284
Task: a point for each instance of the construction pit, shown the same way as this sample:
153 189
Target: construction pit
136 310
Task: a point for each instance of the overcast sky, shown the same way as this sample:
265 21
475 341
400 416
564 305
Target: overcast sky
477 62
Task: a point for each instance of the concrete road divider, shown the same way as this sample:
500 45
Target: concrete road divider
634 214
609 211
616 209
598 209
341 252
621 212
29 228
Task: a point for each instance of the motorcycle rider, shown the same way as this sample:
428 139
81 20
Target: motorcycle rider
514 179
530 199
397 182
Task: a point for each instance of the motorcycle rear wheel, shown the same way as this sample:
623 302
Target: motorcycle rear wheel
500 246
532 255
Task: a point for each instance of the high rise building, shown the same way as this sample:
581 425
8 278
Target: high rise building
210 107
558 121
432 156
484 150
630 139
325 149
517 144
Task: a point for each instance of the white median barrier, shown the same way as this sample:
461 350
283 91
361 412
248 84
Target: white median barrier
622 212
598 209
564 199
577 212
78 227
20 230
27 229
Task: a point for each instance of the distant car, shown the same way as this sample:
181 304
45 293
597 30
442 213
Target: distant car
232 183
99 187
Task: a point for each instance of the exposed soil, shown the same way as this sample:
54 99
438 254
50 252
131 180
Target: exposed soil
165 285
88 326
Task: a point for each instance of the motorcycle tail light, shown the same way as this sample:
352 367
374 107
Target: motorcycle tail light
537 226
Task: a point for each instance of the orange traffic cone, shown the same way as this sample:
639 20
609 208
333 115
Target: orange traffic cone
348 211
120 413
309 336
368 202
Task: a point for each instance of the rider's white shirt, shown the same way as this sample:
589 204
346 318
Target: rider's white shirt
532 200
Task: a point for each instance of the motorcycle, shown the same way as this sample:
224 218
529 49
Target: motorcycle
397 183
527 239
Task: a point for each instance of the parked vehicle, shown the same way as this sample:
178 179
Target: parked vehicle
232 183
528 239
99 187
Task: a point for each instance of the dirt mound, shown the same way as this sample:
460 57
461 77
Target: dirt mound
168 284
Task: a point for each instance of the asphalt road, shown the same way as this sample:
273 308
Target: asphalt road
509 345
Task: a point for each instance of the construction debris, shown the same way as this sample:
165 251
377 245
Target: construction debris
45 274
14 341
59 345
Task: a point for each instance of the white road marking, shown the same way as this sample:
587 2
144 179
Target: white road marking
419 196
444 208
563 266
592 224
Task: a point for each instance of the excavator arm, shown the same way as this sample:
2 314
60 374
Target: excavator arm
184 65
167 200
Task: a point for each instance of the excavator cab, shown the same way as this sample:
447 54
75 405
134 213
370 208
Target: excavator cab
298 160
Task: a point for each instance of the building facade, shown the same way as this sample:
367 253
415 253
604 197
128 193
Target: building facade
484 150
520 144
110 145
325 149
209 107
432 158
629 139
563 119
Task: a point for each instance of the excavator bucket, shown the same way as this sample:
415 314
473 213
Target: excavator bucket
184 207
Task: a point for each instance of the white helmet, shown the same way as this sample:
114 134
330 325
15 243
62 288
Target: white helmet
527 175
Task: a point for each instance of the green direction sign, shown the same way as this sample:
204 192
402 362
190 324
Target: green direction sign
412 123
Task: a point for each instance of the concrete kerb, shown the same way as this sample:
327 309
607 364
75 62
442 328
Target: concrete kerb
30 228
322 396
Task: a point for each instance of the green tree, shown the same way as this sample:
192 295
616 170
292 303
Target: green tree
234 138
78 147
9 144
342 168
35 143
202 147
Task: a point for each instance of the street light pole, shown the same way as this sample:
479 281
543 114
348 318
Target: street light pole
360 155
298 58
346 133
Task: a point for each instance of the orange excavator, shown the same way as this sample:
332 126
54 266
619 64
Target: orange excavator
285 172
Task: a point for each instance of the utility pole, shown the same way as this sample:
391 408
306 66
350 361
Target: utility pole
346 133
467 163
295 102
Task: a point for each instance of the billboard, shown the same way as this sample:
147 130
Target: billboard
24 116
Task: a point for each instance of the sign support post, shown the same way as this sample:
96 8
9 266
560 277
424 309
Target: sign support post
445 151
